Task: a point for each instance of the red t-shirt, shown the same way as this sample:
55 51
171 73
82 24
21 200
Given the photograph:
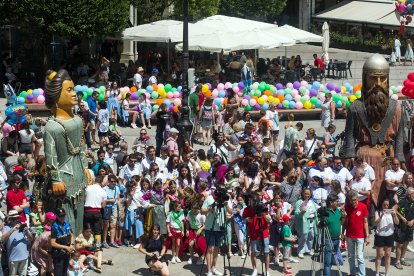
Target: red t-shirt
15 199
200 100
355 227
253 226
319 63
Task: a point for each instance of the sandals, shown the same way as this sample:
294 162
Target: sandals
109 262
98 270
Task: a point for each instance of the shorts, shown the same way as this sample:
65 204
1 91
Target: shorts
92 124
286 252
255 246
274 231
147 113
102 134
275 132
381 241
403 235
214 238
26 148
114 217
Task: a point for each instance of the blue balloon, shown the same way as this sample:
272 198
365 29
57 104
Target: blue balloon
84 88
265 106
20 100
35 93
292 104
318 104
149 89
338 104
167 102
281 92
288 97
222 94
217 101
179 88
78 88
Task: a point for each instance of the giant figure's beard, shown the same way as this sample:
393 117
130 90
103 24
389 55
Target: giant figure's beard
376 105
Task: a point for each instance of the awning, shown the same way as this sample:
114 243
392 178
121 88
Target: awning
367 11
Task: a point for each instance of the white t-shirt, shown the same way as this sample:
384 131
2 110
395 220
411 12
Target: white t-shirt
147 162
319 195
273 117
386 226
138 80
199 220
152 80
363 185
369 172
125 103
110 159
341 198
310 146
26 138
327 173
222 151
343 176
126 173
394 176
173 224
103 117
95 195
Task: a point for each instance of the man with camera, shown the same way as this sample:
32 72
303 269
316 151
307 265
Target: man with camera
16 236
217 208
331 218
221 146
258 220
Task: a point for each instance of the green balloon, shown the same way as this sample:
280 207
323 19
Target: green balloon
285 103
303 99
257 93
154 95
336 97
347 104
288 91
251 93
167 87
85 96
102 89
174 89
313 100
358 94
155 107
89 91
262 87
326 91
248 107
101 97
267 86
273 88
23 94
302 89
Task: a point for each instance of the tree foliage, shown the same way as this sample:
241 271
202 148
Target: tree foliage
254 9
197 9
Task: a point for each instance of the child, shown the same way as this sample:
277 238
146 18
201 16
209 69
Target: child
103 124
175 223
145 107
220 117
195 233
75 265
186 147
204 163
120 219
266 145
230 181
37 217
239 225
287 240
113 129
202 189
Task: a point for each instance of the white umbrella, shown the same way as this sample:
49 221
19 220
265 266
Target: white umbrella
158 31
325 43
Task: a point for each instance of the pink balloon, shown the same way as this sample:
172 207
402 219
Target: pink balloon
297 98
220 86
34 100
215 93
253 102
40 99
176 94
119 97
228 85
160 85
170 95
236 89
147 95
177 102
245 102
289 85
304 83
295 92
299 105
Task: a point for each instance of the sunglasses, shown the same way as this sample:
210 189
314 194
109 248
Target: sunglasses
143 133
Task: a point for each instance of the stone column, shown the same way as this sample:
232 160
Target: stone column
306 11
128 49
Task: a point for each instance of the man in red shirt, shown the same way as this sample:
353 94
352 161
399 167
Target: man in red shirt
357 234
16 199
318 63
258 227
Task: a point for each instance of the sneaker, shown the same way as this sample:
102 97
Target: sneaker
311 253
410 249
199 261
210 273
173 260
292 260
190 262
216 272
105 245
137 245
126 242
133 125
114 245
144 127
98 245
398 266
243 256
404 263
267 273
177 260
254 272
276 262
300 256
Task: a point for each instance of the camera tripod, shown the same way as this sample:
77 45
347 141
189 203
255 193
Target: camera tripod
219 211
259 224
323 236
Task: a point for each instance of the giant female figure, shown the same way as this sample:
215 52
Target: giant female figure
64 143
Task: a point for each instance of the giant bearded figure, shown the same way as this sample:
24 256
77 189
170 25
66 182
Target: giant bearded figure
375 125
64 149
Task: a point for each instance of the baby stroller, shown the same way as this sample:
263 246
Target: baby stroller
114 138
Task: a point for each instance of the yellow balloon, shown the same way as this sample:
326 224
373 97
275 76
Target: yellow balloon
161 90
204 88
276 101
261 101
352 98
343 89
270 99
30 91
307 105
124 95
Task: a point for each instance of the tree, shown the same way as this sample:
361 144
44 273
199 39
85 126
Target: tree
69 19
254 9
197 9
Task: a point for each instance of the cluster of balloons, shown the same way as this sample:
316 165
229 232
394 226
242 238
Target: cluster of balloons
31 96
87 91
404 8
408 89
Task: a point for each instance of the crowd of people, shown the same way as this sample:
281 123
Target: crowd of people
247 194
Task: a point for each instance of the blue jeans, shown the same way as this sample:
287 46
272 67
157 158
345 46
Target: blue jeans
306 242
356 248
329 255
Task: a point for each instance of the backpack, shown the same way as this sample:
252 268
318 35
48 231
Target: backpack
208 113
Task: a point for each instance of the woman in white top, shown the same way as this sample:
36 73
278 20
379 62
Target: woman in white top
328 111
311 143
385 218
27 138
130 111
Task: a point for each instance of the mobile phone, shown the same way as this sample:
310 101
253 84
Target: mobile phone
387 211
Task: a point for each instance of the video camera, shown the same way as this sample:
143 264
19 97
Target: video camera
221 197
340 136
322 214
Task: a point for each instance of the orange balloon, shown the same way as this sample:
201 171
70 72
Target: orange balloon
255 97
281 98
133 89
207 93
225 101
268 93
155 87
175 108
159 101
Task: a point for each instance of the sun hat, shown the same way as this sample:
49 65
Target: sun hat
13 214
50 216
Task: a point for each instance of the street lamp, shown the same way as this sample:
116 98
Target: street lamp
184 124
